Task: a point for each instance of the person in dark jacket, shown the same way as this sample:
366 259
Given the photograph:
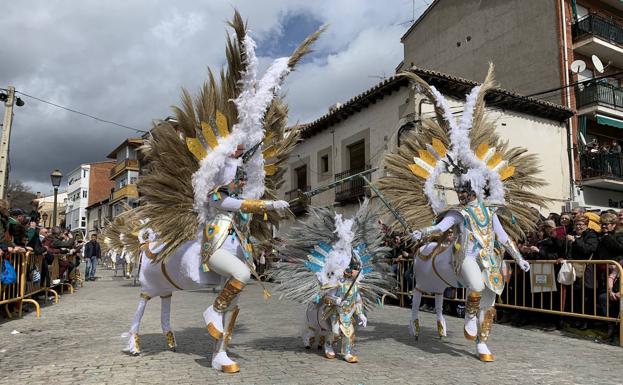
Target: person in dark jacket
550 247
92 253
17 230
584 241
61 244
610 248
582 246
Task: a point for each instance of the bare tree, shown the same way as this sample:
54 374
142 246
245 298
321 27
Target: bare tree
20 196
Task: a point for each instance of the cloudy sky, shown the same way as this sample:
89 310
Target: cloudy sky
126 61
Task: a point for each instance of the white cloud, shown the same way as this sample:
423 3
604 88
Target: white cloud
179 28
127 60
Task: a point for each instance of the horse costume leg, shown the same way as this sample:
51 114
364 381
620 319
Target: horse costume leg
310 328
224 310
414 325
134 343
165 321
441 321
332 337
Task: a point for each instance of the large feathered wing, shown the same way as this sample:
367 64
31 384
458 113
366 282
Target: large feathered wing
520 171
404 185
175 148
377 280
413 168
122 232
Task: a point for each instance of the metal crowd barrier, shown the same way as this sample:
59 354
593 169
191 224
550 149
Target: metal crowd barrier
539 290
14 293
24 289
56 279
30 289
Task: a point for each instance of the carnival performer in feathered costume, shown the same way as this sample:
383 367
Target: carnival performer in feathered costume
209 171
336 266
493 182
121 242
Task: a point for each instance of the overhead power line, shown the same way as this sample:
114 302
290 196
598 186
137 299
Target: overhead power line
81 113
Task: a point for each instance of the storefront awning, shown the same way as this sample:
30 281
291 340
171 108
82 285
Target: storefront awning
609 121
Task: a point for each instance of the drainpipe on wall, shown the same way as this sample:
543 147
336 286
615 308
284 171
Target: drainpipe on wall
569 125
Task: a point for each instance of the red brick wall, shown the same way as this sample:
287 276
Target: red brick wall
99 181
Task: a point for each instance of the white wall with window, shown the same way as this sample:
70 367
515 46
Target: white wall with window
77 198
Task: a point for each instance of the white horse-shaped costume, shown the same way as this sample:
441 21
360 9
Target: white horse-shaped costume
434 272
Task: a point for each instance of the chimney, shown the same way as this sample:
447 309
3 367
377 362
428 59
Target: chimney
335 107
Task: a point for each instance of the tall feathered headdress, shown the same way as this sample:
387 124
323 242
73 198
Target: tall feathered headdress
470 150
190 157
321 248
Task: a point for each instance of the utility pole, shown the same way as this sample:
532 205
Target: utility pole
4 141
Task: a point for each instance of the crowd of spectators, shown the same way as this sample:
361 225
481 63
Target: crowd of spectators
600 159
22 233
560 238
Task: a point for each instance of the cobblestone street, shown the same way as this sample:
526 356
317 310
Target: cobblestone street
78 341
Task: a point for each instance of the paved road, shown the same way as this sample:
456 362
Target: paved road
78 342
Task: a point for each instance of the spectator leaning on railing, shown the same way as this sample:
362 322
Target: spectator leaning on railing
17 230
610 248
6 245
584 241
57 244
582 245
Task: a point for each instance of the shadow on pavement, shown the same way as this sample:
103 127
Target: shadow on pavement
428 342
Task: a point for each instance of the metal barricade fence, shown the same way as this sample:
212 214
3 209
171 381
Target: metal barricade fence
31 288
589 297
57 278
14 292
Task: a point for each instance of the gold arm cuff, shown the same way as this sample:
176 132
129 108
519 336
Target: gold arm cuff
253 206
513 250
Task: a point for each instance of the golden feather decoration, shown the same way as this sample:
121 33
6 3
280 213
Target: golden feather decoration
126 224
404 185
172 152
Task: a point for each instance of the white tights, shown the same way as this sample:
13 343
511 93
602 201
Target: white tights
224 263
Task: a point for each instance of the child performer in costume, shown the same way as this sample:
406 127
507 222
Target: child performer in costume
336 266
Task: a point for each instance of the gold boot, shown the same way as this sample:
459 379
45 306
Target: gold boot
137 344
170 340
223 362
472 306
484 331
223 301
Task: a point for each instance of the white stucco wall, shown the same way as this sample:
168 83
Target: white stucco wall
379 123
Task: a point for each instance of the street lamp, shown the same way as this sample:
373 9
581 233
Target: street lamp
44 216
56 177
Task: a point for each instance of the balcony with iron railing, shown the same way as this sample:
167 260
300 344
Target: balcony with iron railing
126 164
597 35
351 190
127 191
594 93
603 170
297 200
595 25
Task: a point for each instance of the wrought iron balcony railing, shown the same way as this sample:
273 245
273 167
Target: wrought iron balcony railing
353 189
595 25
600 165
596 92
